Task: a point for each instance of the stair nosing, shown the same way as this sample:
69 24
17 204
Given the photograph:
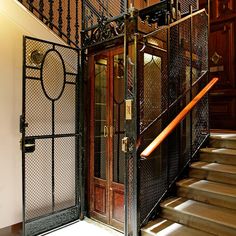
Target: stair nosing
204 150
201 217
210 191
208 163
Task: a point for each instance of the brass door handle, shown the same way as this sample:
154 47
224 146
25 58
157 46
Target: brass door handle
111 131
105 131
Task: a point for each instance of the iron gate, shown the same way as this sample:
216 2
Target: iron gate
50 136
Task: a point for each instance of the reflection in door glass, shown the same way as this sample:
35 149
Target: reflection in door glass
100 118
118 119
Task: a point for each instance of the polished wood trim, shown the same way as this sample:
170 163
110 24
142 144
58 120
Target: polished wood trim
167 131
14 230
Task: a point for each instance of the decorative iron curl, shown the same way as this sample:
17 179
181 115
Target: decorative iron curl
106 30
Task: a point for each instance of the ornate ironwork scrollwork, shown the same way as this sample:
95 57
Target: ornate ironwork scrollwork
106 30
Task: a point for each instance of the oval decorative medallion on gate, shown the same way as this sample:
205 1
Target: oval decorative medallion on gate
53 75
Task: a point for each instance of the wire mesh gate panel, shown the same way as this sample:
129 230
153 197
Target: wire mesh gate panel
50 137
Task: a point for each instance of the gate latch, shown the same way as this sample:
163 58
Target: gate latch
125 144
28 145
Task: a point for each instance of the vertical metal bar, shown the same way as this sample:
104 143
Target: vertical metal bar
51 13
68 22
126 224
176 9
168 91
83 19
134 133
78 137
82 162
31 4
126 5
41 9
23 133
191 78
208 66
53 156
76 23
60 19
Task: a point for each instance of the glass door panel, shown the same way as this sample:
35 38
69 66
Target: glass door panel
100 118
118 118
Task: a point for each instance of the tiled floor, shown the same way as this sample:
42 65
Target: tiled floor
86 227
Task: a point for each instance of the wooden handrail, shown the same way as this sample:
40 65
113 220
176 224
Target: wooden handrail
167 131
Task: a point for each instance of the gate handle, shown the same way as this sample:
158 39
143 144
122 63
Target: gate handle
29 145
105 131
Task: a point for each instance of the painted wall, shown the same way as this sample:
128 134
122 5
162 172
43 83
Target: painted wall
15 22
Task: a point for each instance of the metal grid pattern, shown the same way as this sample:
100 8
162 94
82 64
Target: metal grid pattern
184 5
50 111
38 167
96 10
129 160
65 172
170 86
65 118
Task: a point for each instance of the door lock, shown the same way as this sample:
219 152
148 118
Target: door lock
125 144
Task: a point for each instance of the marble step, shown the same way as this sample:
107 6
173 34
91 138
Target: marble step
218 155
163 227
201 216
214 193
213 172
223 140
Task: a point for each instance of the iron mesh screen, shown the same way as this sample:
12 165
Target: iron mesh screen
50 111
165 88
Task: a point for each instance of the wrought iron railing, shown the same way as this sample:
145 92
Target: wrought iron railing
61 16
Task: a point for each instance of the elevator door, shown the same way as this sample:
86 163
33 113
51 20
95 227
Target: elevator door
107 161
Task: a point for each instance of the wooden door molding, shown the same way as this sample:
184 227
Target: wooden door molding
222 56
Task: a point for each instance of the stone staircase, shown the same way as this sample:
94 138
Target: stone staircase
206 201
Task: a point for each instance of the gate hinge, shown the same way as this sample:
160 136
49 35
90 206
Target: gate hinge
23 125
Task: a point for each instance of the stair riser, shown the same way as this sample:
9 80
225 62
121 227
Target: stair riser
207 197
213 176
219 143
218 158
198 223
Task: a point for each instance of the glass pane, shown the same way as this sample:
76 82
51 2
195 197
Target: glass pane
152 89
118 119
100 111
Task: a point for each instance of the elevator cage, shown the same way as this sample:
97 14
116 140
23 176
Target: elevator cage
166 66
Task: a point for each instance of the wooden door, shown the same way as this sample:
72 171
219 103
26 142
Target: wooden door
107 161
222 63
